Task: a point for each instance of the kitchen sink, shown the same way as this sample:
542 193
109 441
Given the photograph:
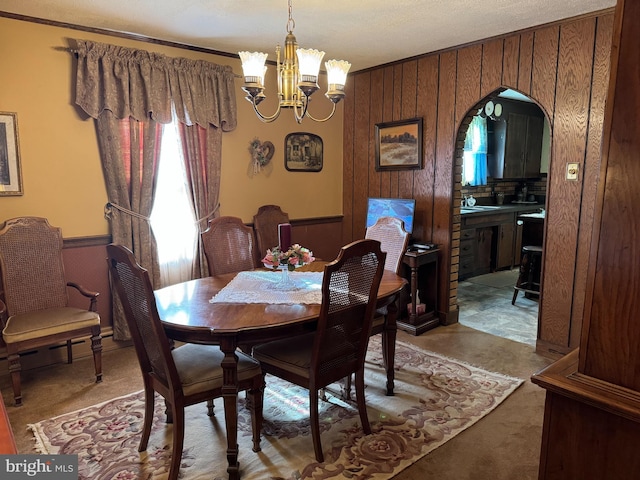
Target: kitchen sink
480 208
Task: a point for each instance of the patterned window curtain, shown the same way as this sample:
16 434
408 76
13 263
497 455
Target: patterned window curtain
130 151
129 92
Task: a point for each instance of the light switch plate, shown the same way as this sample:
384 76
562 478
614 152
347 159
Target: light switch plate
572 171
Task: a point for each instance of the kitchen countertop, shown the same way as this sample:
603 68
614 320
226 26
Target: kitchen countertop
494 209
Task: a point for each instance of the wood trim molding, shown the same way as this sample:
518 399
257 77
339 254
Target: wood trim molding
300 222
93 241
563 378
112 33
100 240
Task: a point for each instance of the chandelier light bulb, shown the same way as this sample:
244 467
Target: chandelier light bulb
253 66
337 71
309 63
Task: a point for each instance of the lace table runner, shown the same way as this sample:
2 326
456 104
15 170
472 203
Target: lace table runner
258 287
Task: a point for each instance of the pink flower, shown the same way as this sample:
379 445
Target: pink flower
272 258
296 255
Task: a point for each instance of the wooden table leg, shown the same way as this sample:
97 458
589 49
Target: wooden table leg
230 396
389 344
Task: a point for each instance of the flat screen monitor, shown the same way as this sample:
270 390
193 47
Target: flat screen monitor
402 208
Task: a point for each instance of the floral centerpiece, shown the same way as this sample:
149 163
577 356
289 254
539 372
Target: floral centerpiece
295 256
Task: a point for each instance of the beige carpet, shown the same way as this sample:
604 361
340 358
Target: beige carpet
436 399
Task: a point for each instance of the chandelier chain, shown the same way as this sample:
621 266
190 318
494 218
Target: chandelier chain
291 24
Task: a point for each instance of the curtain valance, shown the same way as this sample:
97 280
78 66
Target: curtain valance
140 84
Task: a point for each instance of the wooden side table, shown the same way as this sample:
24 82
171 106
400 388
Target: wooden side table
423 269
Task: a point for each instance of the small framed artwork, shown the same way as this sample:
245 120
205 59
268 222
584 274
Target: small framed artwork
10 176
303 152
399 145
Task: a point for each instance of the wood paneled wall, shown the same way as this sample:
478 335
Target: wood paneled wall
564 68
591 426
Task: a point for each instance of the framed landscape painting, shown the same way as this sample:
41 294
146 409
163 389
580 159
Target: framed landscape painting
399 145
10 176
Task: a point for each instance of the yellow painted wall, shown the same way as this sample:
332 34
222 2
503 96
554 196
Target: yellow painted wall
61 171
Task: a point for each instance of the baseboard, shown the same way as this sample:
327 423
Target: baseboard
56 354
450 317
551 350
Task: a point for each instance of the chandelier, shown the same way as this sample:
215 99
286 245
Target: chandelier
297 78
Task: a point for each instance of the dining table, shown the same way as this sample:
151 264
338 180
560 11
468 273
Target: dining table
190 314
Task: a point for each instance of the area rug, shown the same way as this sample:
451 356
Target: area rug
435 399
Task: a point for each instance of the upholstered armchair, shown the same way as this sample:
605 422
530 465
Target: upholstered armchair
35 310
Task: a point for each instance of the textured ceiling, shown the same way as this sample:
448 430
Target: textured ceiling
365 32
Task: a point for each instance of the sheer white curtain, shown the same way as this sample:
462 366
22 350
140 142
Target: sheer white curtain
172 217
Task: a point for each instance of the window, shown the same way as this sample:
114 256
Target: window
172 217
474 159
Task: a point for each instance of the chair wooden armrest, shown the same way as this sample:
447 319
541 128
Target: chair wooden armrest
3 314
87 293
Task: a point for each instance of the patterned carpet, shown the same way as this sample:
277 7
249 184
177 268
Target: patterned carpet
436 399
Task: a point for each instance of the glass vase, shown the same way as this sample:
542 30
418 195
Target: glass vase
285 283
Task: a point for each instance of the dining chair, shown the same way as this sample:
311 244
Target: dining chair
35 311
186 375
228 245
265 224
338 347
394 239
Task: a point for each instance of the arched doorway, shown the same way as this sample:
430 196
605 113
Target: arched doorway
501 159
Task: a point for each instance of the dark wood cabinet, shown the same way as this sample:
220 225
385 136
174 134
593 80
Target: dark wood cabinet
484 239
478 238
523 146
515 142
505 245
467 253
475 252
492 240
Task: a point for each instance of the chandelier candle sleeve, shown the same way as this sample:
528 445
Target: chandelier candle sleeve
284 236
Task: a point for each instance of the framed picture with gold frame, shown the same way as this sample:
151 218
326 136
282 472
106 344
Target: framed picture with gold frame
10 175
